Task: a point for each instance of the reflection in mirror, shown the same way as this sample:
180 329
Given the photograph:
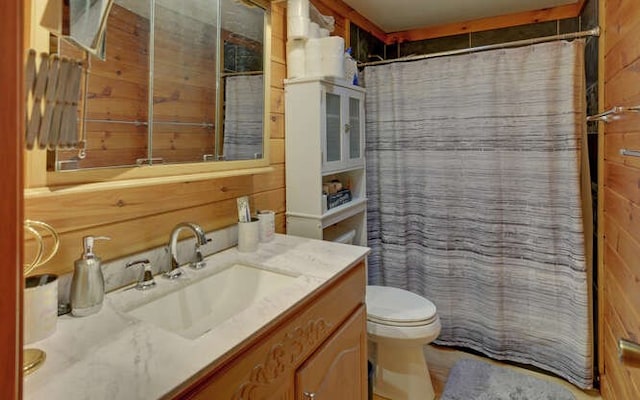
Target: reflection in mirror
182 82
243 82
81 22
87 22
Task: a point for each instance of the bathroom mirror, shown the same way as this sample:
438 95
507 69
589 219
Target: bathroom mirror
81 22
182 82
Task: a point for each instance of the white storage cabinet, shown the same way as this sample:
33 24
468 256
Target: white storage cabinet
324 141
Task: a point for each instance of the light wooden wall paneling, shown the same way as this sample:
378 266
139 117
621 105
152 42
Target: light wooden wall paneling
151 230
620 92
278 34
132 236
613 383
618 318
68 210
175 110
622 211
620 16
176 72
620 197
618 178
277 100
277 126
277 151
116 100
622 52
615 142
185 92
278 74
115 136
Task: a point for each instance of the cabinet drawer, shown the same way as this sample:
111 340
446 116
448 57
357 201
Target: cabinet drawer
264 368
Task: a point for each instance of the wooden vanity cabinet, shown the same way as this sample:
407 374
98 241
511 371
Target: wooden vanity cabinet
318 346
337 370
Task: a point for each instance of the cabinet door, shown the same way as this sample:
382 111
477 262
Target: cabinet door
337 370
354 129
332 141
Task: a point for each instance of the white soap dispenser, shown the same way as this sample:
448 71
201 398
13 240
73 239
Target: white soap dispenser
87 284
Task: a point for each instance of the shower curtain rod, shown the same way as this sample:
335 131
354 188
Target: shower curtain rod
564 36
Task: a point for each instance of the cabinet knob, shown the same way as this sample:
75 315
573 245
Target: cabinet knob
309 395
347 128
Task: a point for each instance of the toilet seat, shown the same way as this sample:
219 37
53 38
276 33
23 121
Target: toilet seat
397 307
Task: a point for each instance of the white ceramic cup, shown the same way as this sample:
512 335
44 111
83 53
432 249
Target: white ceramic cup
40 307
267 225
248 235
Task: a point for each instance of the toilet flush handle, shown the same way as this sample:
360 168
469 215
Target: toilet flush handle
309 395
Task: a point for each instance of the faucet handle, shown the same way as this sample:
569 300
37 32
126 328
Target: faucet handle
198 262
173 274
145 279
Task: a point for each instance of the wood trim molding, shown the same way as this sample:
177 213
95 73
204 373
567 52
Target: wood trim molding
11 123
601 192
483 24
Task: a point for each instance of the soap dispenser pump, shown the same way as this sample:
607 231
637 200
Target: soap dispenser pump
87 284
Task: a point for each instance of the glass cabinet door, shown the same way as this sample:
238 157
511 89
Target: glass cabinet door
354 130
333 139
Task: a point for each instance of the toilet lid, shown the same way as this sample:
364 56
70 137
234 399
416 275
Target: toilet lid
389 305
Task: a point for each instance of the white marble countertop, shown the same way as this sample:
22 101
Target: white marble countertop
110 355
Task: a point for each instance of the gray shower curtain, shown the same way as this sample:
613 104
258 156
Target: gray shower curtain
243 123
477 199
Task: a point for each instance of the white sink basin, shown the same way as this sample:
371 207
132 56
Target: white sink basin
195 309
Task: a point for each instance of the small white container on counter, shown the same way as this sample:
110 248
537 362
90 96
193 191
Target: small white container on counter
267 225
248 235
40 307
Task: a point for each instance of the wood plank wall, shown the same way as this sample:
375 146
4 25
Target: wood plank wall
620 196
141 217
11 124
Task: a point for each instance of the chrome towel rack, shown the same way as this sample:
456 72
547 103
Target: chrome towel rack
632 153
613 113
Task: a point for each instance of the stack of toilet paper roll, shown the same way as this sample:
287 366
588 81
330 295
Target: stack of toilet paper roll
311 52
298 19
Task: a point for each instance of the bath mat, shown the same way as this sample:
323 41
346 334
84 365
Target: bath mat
478 380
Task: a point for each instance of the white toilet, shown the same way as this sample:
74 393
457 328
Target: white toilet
399 324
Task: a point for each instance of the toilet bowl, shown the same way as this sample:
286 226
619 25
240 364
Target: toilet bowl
399 324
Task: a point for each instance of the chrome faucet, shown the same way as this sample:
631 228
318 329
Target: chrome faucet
197 261
145 279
